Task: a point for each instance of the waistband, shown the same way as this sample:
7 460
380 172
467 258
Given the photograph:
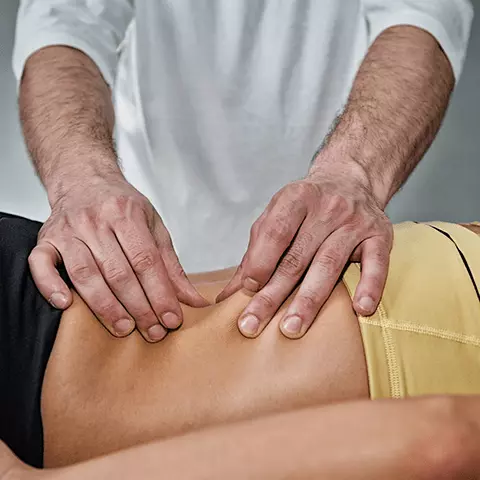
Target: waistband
424 337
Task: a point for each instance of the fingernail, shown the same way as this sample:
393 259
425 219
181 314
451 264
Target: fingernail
156 332
58 300
123 326
171 320
366 304
251 284
249 325
292 325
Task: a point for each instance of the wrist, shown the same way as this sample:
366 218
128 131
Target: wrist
79 175
349 151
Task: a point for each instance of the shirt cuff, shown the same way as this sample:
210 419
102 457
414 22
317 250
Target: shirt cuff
455 51
106 62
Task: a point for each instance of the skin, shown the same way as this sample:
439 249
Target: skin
420 439
113 243
119 254
423 438
314 226
204 374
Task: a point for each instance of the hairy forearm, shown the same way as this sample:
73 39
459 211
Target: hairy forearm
394 110
415 439
67 117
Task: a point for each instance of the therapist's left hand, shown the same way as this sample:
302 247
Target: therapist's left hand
309 231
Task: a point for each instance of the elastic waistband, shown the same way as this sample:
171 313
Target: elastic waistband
424 337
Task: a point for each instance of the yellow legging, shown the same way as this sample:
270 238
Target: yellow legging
425 335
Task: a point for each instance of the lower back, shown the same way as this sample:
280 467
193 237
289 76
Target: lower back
101 394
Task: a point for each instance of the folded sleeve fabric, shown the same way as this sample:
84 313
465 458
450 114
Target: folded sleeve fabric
96 27
449 21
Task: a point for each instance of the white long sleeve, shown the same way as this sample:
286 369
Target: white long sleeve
96 27
449 21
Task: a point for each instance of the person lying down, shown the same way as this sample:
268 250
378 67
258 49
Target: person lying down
207 402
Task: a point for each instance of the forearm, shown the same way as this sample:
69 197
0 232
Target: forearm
67 117
394 110
351 441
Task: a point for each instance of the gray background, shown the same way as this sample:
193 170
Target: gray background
444 187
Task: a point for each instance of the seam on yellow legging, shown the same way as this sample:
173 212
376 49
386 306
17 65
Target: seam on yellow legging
425 330
389 345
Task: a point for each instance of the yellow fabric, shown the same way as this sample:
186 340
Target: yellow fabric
425 335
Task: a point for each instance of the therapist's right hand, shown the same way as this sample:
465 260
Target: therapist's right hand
119 257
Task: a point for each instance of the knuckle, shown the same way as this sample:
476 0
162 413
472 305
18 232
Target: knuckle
35 258
266 302
85 218
337 205
143 261
310 300
292 264
300 190
261 272
380 250
255 229
117 203
165 300
379 223
176 271
123 207
278 232
303 241
373 284
108 310
380 256
114 273
296 190
80 272
164 243
32 257
357 224
328 263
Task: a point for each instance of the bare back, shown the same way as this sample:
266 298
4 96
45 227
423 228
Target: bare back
101 394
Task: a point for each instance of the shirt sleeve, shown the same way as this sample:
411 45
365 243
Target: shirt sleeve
96 27
449 21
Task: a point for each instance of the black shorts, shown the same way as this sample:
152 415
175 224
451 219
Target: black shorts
28 326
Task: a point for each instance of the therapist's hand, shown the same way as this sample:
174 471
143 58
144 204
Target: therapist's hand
118 255
308 232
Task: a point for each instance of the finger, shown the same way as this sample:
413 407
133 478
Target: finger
232 286
293 265
184 289
237 281
121 279
318 283
375 254
91 286
274 237
144 256
42 261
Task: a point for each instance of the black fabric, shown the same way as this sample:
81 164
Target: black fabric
28 326
462 256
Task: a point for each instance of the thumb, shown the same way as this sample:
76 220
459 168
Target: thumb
43 261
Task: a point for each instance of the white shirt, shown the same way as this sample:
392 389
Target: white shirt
220 103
